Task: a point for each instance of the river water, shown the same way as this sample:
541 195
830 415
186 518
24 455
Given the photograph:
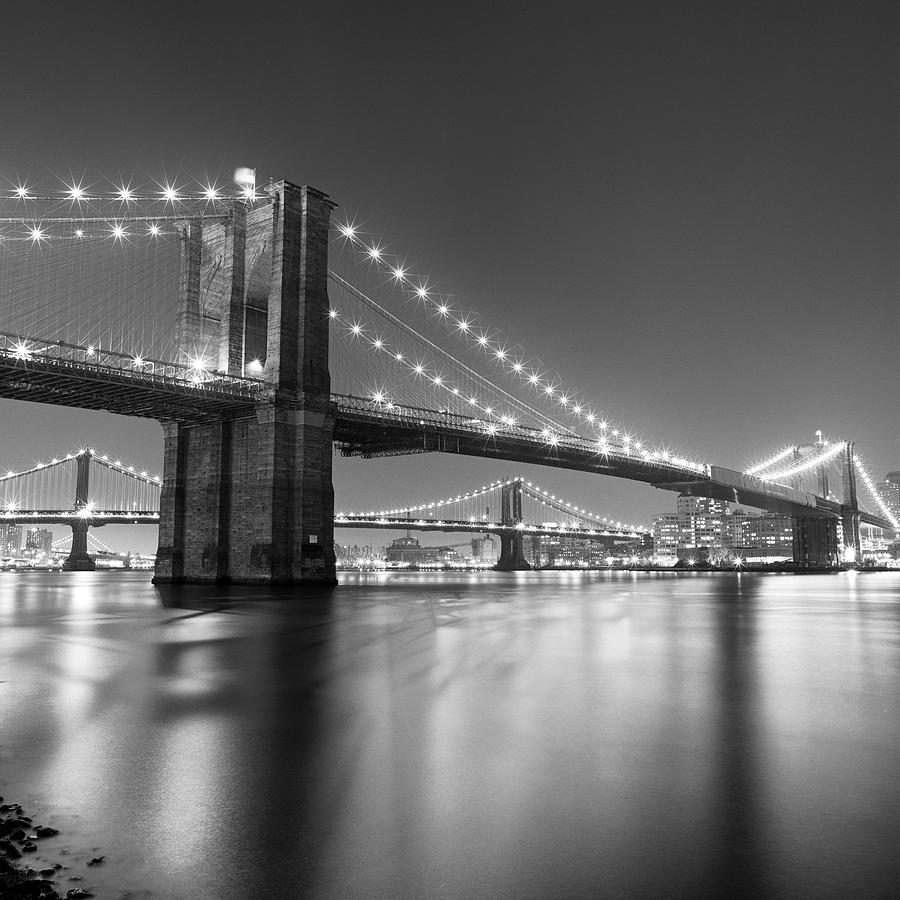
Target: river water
486 735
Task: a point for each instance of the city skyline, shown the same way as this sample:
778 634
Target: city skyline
700 234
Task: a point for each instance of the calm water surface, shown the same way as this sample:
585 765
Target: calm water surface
487 735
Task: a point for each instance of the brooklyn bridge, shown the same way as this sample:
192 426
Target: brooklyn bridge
261 335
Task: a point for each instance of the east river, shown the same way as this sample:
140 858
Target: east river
518 735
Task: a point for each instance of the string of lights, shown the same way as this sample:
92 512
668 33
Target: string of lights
432 504
876 494
116 465
534 490
355 329
627 448
117 231
566 506
166 192
475 525
449 357
771 461
829 452
462 323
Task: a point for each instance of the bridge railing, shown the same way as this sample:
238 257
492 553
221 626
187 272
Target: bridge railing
59 516
62 355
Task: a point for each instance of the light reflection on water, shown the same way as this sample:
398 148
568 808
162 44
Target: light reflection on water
461 735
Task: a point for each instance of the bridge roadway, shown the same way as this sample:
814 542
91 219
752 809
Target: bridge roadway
397 523
64 374
73 517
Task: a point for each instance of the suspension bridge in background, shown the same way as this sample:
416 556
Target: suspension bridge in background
86 490
261 335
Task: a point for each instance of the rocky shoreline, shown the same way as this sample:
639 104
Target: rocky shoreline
19 838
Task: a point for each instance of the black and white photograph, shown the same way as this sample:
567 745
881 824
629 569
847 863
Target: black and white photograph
450 451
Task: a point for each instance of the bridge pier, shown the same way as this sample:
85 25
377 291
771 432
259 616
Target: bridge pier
78 559
815 543
512 554
250 499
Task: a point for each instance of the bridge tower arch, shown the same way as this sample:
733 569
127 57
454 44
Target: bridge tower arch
249 499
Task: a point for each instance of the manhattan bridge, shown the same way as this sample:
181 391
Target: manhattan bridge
261 334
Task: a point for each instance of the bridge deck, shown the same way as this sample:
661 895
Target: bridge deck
64 374
68 375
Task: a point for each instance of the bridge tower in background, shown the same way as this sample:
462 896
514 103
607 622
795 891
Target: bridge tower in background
817 541
850 505
78 559
512 555
250 499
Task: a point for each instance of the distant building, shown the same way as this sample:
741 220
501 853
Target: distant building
10 540
408 550
356 554
704 529
38 542
666 534
483 549
571 551
759 537
700 524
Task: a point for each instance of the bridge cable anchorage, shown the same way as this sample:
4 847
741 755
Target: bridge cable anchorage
493 347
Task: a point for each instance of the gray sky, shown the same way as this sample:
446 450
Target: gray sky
689 210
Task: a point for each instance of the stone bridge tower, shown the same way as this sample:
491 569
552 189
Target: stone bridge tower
249 499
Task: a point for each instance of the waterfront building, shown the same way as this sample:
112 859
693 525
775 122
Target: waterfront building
10 540
700 525
666 533
484 549
38 542
569 551
703 529
408 550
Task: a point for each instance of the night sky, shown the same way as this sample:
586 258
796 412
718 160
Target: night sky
689 210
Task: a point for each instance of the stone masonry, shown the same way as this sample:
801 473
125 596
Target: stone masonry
251 499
